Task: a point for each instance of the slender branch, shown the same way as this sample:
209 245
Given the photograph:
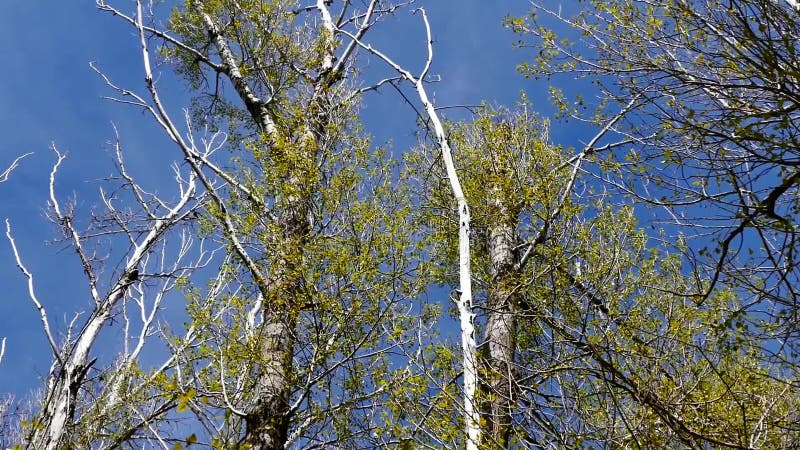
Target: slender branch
359 35
163 118
257 107
575 162
32 295
6 173
65 220
103 6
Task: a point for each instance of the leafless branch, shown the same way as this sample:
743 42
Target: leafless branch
6 173
32 295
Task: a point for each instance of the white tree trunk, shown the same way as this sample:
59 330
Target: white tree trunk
464 303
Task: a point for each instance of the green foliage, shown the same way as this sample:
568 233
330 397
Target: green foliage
610 351
330 248
356 263
711 120
500 155
707 136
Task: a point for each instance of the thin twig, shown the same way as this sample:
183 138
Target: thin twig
6 173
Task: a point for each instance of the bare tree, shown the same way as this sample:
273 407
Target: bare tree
6 402
145 259
464 303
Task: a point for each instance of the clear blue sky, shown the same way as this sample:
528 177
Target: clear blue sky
49 94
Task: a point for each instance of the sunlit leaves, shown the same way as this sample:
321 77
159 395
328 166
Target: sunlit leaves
710 139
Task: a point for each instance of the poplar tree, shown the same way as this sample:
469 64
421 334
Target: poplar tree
289 339
586 334
711 134
317 272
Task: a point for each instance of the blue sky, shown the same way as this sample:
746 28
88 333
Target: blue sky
48 94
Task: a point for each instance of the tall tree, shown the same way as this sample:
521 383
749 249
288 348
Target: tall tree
290 341
318 257
709 137
141 230
464 302
712 134
588 338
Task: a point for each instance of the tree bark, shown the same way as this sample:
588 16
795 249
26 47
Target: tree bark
269 418
500 340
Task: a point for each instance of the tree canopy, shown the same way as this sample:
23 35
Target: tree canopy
497 284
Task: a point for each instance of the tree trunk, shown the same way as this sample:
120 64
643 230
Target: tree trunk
499 350
268 420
